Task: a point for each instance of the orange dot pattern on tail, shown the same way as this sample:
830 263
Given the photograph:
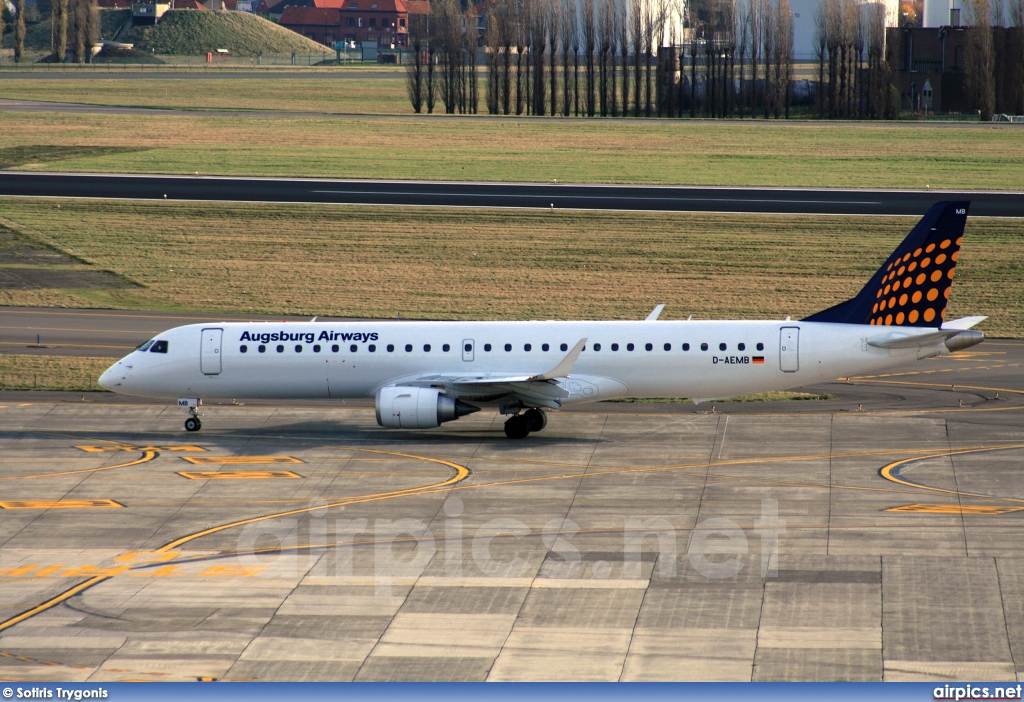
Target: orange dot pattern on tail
920 278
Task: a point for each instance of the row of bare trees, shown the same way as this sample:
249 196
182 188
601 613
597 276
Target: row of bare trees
854 77
607 57
74 20
77 21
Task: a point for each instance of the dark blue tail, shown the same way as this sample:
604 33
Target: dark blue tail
912 287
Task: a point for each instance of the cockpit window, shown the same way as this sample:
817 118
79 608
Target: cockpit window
145 346
159 346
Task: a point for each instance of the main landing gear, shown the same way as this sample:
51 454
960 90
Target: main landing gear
518 426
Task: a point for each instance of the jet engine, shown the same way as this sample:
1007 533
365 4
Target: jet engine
418 408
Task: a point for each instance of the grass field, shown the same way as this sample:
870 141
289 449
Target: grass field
700 153
472 264
26 372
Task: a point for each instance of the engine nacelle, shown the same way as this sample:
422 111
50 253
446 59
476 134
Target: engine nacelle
403 407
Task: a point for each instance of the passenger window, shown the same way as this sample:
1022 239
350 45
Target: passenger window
760 346
629 347
316 348
668 347
145 346
261 348
545 347
722 347
564 347
158 347
648 346
280 348
597 347
353 348
487 347
704 347
408 348
391 348
426 348
686 347
615 347
508 347
334 348
742 347
372 348
446 348
243 348
527 347
298 348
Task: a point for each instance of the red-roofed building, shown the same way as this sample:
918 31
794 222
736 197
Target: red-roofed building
328 21
114 4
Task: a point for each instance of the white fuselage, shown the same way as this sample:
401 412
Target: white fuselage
356 359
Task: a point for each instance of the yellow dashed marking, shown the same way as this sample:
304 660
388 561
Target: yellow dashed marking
237 474
239 460
127 447
956 509
59 504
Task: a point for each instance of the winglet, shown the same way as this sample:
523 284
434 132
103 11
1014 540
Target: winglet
563 368
655 313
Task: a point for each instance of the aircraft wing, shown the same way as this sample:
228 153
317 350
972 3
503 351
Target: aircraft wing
538 389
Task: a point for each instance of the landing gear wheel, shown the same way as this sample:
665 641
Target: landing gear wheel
193 424
517 427
536 419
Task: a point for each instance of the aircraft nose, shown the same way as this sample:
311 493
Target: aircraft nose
111 378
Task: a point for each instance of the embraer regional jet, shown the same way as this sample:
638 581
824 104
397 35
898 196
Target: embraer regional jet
423 374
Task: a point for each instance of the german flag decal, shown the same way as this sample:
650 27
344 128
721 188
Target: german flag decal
757 359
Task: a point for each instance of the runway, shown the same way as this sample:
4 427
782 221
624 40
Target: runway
874 536
522 195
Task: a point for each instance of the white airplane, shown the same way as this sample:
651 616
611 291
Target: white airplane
423 374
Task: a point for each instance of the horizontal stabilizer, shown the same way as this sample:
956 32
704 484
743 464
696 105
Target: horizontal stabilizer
964 323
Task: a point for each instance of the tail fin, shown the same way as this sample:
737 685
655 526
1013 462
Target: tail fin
912 286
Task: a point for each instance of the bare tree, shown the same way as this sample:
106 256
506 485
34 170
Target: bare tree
520 32
820 52
415 72
19 30
59 32
783 45
447 26
979 58
554 35
84 25
637 18
569 42
589 29
623 49
743 22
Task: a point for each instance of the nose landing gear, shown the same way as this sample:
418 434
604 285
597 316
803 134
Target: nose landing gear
193 423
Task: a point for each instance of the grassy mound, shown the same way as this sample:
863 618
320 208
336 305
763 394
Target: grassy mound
194 33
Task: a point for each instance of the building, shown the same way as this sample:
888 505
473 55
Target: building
929 67
354 22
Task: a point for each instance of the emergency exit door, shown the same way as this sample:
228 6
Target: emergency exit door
467 349
789 349
209 358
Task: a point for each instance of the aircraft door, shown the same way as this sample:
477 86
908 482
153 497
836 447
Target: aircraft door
209 354
467 349
789 349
